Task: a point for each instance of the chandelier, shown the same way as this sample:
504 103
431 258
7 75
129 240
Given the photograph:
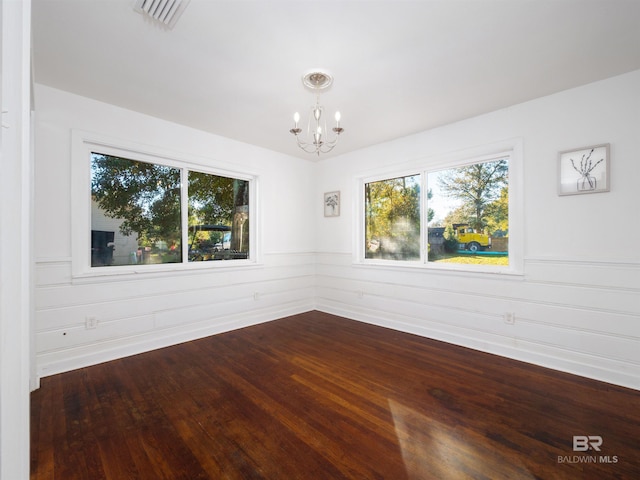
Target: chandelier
317 137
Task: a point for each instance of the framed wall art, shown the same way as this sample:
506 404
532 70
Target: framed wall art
332 204
584 170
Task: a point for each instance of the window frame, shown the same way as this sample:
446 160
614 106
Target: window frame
362 214
84 144
509 149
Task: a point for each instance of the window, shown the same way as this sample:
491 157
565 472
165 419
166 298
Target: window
218 217
136 210
142 202
468 214
458 215
392 218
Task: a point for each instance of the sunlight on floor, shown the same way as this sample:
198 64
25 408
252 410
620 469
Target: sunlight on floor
432 449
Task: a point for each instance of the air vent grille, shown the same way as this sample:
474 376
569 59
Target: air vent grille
164 11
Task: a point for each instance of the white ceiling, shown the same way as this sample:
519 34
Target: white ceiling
233 67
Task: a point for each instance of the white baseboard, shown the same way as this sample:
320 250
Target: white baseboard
596 368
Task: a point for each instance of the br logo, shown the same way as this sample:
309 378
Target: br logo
583 443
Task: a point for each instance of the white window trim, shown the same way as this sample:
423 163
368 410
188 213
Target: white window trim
82 145
512 148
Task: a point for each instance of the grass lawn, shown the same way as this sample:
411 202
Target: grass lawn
470 259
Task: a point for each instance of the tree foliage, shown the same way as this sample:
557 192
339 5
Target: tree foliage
478 186
497 213
393 217
147 197
210 199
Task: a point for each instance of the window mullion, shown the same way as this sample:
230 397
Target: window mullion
424 218
184 213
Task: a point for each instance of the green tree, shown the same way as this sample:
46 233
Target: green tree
147 197
497 213
210 199
477 186
462 214
393 217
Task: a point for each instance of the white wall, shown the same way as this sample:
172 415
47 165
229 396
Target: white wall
15 238
144 311
577 305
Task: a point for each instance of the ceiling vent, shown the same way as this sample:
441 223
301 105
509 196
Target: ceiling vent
166 12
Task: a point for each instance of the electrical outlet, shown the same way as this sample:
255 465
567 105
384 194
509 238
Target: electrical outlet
509 318
91 322
256 296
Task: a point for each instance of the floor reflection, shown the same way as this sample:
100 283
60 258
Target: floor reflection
433 449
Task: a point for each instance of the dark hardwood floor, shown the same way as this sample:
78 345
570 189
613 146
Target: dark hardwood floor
315 396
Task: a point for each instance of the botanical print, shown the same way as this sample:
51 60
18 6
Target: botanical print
584 170
586 181
332 204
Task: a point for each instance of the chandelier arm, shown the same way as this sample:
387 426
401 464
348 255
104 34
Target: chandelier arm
308 147
324 146
312 148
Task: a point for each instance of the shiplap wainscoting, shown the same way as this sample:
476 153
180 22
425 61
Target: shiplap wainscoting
574 316
142 312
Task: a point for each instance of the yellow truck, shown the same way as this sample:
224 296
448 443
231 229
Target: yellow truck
469 239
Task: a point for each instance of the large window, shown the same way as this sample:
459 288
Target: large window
454 216
151 213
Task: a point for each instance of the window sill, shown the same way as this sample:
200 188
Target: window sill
448 269
130 272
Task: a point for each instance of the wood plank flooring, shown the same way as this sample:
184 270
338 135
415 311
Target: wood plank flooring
315 396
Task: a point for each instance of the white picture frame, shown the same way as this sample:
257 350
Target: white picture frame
332 204
584 170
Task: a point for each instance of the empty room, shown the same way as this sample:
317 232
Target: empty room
320 239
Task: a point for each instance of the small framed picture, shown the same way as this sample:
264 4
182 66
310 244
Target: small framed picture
332 204
584 170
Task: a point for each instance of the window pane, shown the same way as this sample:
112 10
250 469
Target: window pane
135 214
392 218
218 217
468 214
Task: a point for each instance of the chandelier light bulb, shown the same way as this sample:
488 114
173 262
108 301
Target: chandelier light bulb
296 118
337 119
